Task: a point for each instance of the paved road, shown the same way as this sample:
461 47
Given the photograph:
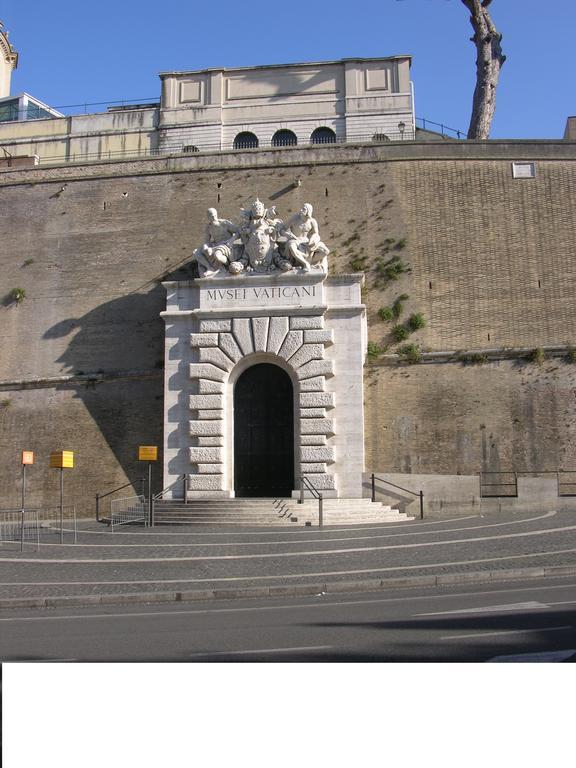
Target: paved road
157 560
465 624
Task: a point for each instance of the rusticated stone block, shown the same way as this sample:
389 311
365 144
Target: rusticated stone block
291 344
243 334
276 333
206 428
213 469
315 454
203 339
200 455
319 337
312 413
316 368
210 326
209 387
305 468
217 357
260 333
312 439
207 371
306 323
204 414
210 441
316 400
306 353
206 401
315 384
323 482
206 482
317 427
227 342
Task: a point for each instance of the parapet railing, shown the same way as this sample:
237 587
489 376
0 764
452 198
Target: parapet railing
100 496
306 485
419 494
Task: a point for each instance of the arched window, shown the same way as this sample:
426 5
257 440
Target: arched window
245 140
380 137
323 136
284 138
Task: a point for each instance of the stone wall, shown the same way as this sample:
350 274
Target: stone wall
492 265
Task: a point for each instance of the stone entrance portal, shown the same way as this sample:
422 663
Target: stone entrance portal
263 417
264 363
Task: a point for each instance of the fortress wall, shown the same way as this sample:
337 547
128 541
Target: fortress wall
90 244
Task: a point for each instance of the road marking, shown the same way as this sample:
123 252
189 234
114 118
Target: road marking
544 656
287 576
276 555
81 545
261 651
491 609
315 605
505 632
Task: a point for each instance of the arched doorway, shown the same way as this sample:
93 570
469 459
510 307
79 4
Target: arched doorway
263 432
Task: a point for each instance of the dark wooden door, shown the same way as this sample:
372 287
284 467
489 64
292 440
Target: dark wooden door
263 432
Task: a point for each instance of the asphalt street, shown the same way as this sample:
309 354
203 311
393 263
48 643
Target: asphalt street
528 621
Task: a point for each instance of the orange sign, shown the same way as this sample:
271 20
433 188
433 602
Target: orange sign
62 459
147 453
27 457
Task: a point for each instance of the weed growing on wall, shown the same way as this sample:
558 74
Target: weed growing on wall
374 350
18 295
416 322
537 356
410 353
400 333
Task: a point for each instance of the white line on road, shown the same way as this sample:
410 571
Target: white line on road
315 540
532 605
285 576
277 555
505 632
254 652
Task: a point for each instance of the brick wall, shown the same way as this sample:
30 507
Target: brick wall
492 260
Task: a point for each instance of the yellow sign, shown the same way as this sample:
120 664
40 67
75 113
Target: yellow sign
147 453
27 457
62 459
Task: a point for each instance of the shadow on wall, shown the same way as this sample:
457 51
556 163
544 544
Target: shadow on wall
118 350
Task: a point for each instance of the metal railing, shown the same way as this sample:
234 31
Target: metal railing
419 494
566 479
38 525
306 485
131 509
100 496
444 129
495 485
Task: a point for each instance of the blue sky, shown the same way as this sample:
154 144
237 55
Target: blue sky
75 51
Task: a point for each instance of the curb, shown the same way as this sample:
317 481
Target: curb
367 585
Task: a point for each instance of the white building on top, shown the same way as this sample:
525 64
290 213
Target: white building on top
287 104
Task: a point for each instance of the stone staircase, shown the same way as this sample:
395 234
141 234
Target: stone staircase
273 512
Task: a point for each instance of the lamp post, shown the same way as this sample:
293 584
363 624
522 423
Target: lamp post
402 128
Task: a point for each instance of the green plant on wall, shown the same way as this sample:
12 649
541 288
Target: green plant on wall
400 333
398 305
571 355
386 313
374 350
18 295
537 356
416 322
6 403
358 264
391 269
410 353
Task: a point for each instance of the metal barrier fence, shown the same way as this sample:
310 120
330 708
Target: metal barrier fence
38 526
131 509
498 484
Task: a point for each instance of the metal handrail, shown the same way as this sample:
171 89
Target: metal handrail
100 496
419 494
181 478
305 484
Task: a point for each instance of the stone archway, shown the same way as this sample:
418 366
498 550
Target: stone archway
263 432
